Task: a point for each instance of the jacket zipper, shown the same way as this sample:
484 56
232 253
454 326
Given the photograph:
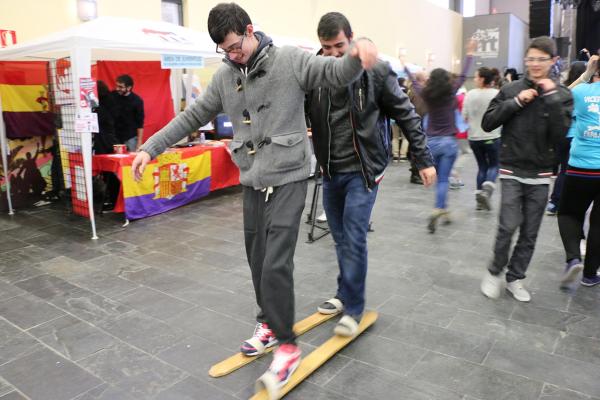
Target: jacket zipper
362 169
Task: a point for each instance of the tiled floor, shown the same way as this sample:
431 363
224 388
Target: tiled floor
143 312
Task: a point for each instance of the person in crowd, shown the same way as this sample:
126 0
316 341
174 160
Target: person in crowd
421 110
439 95
485 145
399 142
510 75
535 114
262 89
454 180
104 141
582 182
350 127
129 113
562 149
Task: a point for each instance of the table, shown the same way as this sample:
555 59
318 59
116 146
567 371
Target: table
175 178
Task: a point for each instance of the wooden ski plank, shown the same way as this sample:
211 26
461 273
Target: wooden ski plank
318 357
238 360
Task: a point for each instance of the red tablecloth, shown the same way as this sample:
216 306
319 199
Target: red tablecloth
224 172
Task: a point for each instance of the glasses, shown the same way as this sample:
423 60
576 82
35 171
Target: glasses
537 59
233 49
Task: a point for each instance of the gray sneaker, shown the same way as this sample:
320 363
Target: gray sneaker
491 285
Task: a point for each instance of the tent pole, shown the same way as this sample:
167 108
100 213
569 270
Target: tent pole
4 149
81 59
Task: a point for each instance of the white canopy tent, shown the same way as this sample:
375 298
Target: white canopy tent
110 33
111 36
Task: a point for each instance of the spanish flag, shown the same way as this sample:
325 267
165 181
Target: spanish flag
25 101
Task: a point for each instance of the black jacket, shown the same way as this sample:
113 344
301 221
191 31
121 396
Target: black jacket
374 98
529 132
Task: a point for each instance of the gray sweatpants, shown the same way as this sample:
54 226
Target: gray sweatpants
522 207
270 232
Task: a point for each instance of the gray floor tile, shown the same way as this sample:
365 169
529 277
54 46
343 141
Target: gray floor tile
191 389
202 322
105 392
102 283
13 396
196 355
41 375
157 334
579 348
220 300
115 264
463 345
535 336
89 306
27 311
544 367
158 279
154 303
465 377
558 320
384 353
359 381
138 374
552 392
72 337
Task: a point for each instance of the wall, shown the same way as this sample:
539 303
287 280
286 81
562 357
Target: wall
506 38
519 8
390 23
35 18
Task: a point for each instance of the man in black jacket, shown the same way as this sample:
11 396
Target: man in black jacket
535 114
351 136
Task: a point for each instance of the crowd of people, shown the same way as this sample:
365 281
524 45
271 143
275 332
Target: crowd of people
515 127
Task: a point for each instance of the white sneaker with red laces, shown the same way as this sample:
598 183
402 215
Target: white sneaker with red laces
285 361
262 339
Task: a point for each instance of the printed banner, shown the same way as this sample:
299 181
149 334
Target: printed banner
174 180
25 104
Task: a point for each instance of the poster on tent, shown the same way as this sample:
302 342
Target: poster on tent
29 167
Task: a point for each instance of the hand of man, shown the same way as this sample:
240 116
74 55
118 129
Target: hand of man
428 175
547 85
366 51
527 95
591 69
139 165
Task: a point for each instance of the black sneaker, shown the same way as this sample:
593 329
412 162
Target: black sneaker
416 179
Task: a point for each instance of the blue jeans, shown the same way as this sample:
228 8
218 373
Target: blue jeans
444 150
486 153
348 205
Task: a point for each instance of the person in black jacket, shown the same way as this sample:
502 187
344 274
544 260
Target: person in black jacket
351 136
129 117
535 115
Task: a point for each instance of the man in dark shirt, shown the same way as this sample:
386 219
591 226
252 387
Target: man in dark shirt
129 113
351 136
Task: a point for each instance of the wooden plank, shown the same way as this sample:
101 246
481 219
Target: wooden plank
238 360
318 357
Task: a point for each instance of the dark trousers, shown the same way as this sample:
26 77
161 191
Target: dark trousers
348 205
521 207
486 154
562 153
270 232
577 195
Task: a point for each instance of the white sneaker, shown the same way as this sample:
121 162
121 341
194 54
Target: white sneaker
491 285
518 291
322 217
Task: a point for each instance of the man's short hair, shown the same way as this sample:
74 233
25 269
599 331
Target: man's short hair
125 80
543 43
225 18
331 24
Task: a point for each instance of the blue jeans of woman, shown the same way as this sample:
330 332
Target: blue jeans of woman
348 204
486 153
444 150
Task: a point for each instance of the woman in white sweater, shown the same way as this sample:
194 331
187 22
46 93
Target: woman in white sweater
485 145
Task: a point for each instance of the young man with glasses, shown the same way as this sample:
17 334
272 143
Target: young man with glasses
129 113
262 88
351 135
535 114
